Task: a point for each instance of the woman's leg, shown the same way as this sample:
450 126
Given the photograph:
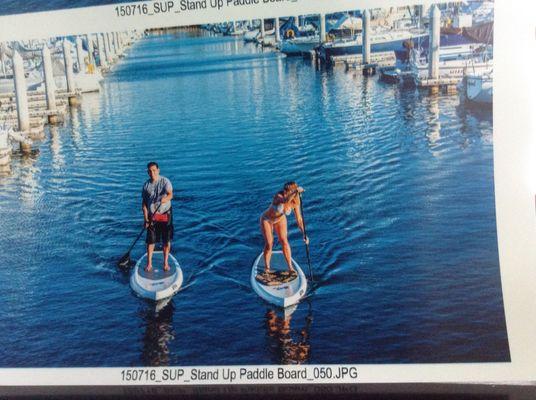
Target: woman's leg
281 230
267 233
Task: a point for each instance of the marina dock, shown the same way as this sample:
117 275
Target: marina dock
70 67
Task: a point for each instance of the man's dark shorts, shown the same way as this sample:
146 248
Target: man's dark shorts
159 232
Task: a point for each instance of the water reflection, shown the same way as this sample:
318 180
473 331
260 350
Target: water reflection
289 346
75 127
58 160
433 133
29 189
158 333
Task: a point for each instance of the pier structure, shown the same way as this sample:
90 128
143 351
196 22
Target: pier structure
322 28
80 55
24 113
102 52
21 98
435 26
69 74
108 48
90 50
50 87
116 45
277 32
262 29
5 152
434 82
368 68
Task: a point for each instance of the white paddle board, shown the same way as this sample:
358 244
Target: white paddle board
281 294
156 284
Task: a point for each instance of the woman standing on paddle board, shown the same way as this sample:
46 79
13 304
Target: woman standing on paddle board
275 218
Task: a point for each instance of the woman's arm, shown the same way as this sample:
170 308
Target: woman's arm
297 213
293 194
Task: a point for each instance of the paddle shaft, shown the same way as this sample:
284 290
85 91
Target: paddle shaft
127 254
306 244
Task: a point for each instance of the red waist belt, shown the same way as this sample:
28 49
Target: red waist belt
160 217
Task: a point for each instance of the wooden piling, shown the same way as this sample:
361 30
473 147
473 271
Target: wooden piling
262 29
434 40
73 101
322 28
90 49
50 86
365 43
80 56
23 113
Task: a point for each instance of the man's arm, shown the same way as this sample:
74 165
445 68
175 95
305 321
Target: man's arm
145 213
169 192
167 197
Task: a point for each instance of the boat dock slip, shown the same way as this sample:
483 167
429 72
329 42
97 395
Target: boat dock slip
448 84
34 95
380 59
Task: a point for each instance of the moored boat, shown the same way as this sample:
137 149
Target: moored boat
479 88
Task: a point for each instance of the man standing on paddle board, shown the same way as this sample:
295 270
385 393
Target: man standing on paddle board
156 197
275 218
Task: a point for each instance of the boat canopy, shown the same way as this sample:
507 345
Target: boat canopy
347 22
482 33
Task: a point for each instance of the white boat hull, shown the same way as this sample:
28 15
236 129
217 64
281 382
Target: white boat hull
283 294
299 45
156 284
479 88
251 36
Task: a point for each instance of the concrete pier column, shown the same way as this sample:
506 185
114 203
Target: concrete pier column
23 113
69 75
103 56
3 62
116 43
80 55
90 49
262 28
277 32
113 47
420 12
366 37
433 50
50 85
108 46
297 20
322 28
234 26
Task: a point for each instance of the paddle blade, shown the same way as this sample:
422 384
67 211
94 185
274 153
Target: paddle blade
124 262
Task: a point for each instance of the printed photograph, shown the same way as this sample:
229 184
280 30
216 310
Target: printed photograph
310 189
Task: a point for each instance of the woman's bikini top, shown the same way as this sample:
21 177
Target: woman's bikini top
280 207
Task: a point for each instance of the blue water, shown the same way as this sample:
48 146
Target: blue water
9 7
399 206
